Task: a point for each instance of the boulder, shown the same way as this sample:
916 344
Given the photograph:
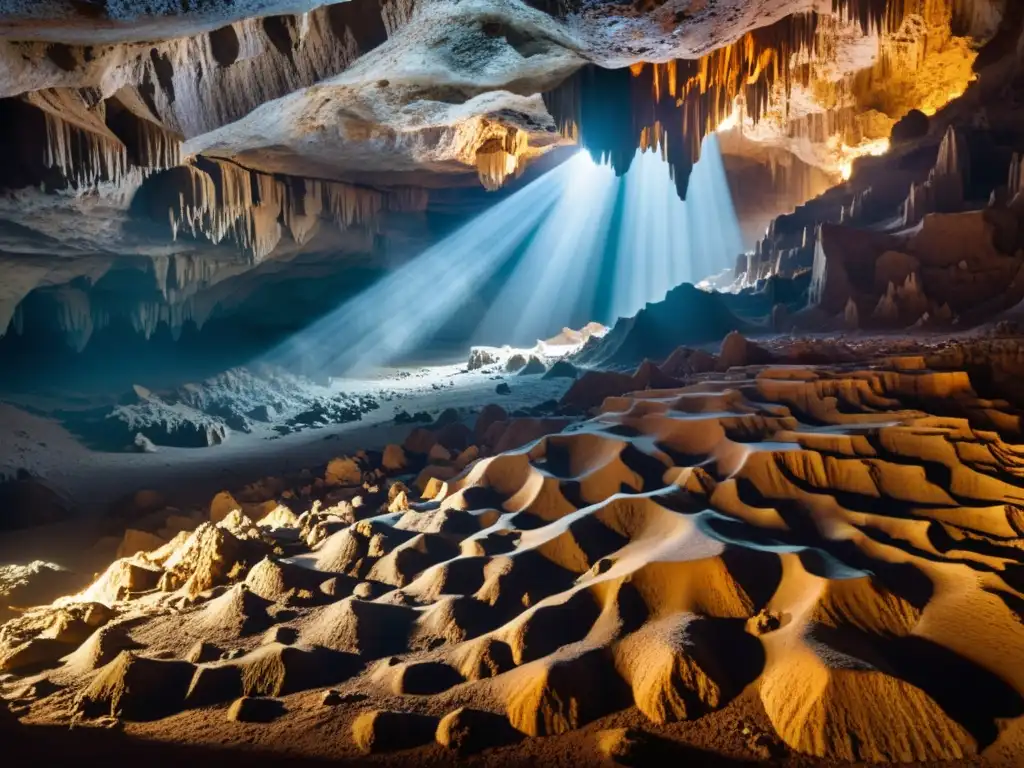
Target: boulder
913 125
468 730
534 367
222 505
393 459
254 709
420 440
487 416
515 363
343 471
137 688
562 369
384 731
479 358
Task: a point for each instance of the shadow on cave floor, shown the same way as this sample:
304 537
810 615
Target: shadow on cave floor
92 746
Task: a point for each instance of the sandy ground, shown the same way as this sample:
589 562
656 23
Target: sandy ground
794 564
92 480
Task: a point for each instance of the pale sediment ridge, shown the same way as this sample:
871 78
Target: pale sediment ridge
813 541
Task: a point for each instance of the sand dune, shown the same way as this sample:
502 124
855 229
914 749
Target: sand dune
816 538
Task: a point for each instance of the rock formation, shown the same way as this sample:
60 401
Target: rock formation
655 561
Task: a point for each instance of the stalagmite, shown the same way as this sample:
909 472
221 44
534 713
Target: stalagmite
943 191
1015 182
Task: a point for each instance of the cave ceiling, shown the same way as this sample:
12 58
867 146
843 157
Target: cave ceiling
194 144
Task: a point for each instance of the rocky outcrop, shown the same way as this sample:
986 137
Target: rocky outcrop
956 267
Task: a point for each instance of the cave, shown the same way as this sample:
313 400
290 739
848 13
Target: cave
502 383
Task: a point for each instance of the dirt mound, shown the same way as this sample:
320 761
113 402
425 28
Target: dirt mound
26 501
136 688
211 556
686 315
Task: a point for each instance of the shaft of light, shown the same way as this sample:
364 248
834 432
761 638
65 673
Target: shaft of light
404 308
664 241
555 282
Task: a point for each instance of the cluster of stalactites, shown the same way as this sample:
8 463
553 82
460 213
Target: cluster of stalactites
147 316
220 201
408 199
887 16
750 68
155 148
498 158
84 158
673 106
874 16
78 143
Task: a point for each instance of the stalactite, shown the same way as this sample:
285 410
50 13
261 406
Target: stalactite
84 158
302 209
146 317
872 15
350 206
219 201
18 321
408 199
77 317
161 266
156 148
498 158
671 107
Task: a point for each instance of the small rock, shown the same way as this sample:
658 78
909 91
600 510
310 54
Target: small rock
282 635
764 622
143 444
503 389
383 731
623 745
330 699
438 453
252 709
471 730
363 590
335 698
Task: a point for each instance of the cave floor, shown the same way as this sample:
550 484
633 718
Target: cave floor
92 480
